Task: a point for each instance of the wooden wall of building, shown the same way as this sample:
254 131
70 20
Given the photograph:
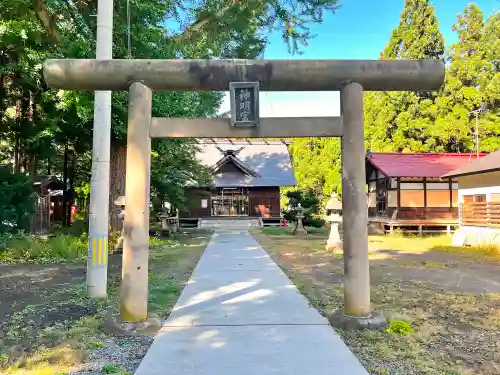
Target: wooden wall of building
479 197
199 203
263 201
266 201
413 198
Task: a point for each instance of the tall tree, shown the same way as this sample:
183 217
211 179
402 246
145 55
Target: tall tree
38 125
399 121
417 36
472 84
224 29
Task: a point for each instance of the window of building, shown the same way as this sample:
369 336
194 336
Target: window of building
204 203
479 198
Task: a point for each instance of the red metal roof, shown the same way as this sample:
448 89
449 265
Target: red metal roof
393 164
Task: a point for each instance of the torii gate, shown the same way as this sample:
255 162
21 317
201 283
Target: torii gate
140 77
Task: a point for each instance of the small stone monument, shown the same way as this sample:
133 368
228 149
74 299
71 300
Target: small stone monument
169 227
299 225
333 215
169 223
120 202
164 222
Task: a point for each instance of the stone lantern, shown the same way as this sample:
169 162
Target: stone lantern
165 216
299 225
333 215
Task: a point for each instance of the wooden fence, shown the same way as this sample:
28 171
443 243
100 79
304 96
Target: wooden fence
480 214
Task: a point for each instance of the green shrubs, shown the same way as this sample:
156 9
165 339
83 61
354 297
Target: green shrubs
114 369
17 201
400 327
96 345
307 199
25 248
111 369
314 223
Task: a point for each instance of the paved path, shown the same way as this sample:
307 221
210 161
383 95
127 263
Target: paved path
240 315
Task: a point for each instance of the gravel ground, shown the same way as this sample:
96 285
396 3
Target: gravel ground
124 352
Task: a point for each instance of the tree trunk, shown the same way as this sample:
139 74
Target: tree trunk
26 130
32 157
65 188
17 155
71 190
118 160
3 90
32 163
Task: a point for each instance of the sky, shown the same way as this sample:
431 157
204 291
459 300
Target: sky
360 29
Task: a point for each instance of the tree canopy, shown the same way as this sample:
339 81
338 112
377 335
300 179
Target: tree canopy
442 121
38 126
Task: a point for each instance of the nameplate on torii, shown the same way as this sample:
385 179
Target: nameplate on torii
244 98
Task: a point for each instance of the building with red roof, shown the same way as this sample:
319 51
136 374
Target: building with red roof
408 190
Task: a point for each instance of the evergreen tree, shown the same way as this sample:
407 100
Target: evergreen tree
417 35
400 121
472 84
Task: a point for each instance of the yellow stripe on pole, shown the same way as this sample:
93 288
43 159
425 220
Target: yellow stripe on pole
100 251
94 251
105 250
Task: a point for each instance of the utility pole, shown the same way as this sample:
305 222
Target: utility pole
97 260
476 112
477 134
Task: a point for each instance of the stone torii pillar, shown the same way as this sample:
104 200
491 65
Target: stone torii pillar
350 77
134 307
356 291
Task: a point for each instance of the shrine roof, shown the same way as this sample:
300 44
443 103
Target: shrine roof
430 165
270 163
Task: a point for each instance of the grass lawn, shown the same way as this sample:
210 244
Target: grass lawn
49 326
450 297
279 231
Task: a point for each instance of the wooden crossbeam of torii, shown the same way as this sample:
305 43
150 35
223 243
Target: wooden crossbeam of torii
350 77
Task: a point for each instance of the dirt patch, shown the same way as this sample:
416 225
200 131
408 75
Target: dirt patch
40 304
49 326
452 302
32 284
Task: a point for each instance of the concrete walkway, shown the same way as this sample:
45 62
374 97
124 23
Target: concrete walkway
240 315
